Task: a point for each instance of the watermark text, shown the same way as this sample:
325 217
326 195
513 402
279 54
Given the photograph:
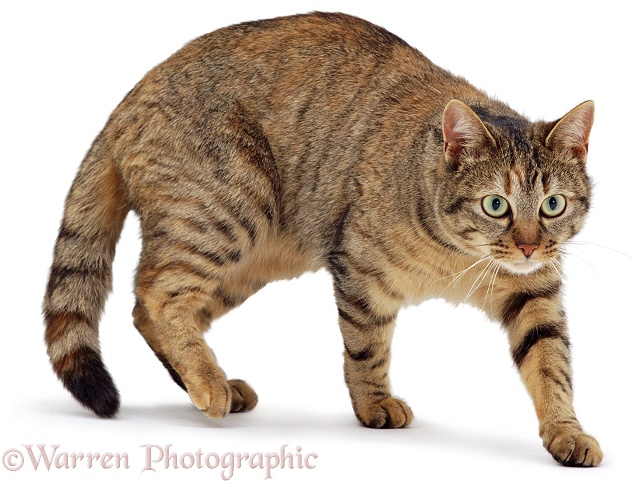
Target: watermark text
156 458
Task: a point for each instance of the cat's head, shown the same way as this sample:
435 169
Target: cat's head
513 190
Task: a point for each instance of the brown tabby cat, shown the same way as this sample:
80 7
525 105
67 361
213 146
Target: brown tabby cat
266 149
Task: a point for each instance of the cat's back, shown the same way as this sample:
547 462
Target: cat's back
272 65
307 99
316 28
312 39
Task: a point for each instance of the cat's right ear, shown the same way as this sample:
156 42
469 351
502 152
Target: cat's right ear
464 133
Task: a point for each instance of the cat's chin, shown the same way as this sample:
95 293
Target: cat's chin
525 267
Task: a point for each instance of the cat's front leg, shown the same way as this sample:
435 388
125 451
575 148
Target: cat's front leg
367 340
540 348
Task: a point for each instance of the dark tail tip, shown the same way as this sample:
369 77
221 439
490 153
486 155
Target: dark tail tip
88 380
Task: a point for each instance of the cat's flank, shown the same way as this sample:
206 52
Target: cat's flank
267 149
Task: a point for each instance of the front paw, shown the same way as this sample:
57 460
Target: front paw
572 447
387 413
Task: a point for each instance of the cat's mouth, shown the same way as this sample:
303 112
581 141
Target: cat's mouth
523 267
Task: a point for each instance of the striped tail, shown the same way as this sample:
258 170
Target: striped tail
80 280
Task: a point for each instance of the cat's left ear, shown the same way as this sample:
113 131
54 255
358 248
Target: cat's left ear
571 133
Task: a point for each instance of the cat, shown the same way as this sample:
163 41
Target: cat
267 149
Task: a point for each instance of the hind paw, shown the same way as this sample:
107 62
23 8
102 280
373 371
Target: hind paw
244 398
218 398
214 398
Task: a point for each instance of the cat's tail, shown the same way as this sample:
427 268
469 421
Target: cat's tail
80 280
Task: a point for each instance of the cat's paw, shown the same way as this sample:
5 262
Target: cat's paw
244 398
574 448
387 413
213 398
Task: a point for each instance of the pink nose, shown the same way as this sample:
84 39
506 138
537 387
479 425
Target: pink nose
527 248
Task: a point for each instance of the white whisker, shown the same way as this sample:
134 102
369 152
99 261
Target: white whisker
556 265
464 270
457 276
560 267
491 285
480 278
583 243
565 252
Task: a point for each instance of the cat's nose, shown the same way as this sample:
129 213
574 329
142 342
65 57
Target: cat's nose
527 248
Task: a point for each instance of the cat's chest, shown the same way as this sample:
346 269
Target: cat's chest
443 275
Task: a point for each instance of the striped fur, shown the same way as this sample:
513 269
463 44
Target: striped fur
268 149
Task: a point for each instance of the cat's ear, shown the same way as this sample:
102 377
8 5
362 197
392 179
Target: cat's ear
464 133
571 133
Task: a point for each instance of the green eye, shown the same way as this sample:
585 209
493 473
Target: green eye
495 206
553 206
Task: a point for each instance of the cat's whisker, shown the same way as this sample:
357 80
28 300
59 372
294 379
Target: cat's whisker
480 278
491 285
560 266
567 253
584 243
457 276
576 246
462 271
557 268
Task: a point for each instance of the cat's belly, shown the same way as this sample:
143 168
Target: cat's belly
277 258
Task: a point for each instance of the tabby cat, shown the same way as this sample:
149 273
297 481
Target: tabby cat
271 148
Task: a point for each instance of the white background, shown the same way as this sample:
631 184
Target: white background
65 67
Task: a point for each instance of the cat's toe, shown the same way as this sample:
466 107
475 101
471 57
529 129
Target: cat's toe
387 413
244 398
214 398
575 449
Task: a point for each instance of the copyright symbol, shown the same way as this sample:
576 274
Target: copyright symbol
12 460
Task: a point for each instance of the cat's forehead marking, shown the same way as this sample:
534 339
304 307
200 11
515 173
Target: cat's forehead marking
507 183
519 176
523 182
546 182
519 173
513 179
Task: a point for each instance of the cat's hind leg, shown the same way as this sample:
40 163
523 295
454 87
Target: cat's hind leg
146 328
207 196
223 299
171 297
243 397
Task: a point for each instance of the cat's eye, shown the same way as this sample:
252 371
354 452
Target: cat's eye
495 206
553 206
